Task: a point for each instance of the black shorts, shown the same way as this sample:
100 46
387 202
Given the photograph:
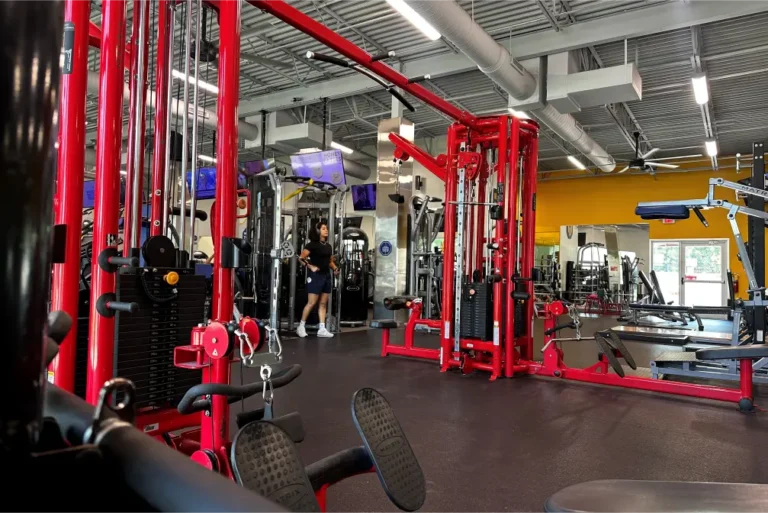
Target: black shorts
319 283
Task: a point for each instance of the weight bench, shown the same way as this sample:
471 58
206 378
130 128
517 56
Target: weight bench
414 305
618 495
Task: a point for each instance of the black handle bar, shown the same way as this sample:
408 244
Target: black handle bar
191 404
559 327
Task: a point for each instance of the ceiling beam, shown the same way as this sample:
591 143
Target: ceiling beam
636 23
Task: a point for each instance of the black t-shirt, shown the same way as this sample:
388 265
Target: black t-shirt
319 255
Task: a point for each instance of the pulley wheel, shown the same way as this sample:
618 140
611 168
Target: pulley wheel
159 251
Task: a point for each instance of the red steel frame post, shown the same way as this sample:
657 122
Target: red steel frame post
511 197
449 247
138 86
69 187
529 236
499 298
161 117
101 342
216 433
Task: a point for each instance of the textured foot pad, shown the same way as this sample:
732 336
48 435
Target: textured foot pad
396 464
607 350
265 461
617 344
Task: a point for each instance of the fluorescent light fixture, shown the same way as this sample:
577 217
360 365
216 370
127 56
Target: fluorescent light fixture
201 84
309 150
344 149
415 18
206 158
700 89
519 114
576 162
711 147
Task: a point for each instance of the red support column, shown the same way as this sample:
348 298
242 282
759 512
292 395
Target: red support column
226 191
161 116
449 246
101 343
69 185
529 235
511 193
498 255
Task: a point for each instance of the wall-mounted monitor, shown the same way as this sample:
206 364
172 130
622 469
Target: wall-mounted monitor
255 167
89 193
322 166
206 182
364 196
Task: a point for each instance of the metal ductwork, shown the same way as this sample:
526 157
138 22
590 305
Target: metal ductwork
456 25
205 117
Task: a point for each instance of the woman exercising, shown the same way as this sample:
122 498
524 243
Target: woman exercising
317 257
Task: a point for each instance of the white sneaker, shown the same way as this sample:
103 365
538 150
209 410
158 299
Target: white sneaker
301 331
322 332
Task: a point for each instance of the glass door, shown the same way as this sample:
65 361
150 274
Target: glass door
665 261
704 280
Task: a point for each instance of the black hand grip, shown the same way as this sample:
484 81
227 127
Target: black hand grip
122 306
416 80
559 327
701 217
202 215
394 92
383 55
129 261
327 58
433 199
520 296
191 404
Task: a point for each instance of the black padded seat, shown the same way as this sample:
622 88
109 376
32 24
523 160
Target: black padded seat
384 324
662 212
616 495
752 351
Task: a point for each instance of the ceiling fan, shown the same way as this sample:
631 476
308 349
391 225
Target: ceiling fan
640 162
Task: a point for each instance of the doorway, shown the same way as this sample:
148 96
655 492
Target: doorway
692 272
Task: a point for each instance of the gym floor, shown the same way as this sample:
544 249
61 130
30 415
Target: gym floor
508 445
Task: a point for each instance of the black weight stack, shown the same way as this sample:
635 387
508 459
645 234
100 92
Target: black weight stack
477 311
145 341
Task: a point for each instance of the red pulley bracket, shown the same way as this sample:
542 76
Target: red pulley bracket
470 161
557 308
401 154
250 328
216 341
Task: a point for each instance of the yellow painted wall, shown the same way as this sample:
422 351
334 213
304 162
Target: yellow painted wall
611 199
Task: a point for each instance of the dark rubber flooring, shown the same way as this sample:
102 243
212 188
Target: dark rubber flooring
508 445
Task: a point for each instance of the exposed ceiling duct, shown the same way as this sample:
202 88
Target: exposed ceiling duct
456 25
205 117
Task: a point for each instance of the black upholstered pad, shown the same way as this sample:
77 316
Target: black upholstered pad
663 212
384 324
265 461
752 351
621 496
396 464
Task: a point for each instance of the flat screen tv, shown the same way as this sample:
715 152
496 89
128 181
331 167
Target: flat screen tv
255 167
364 196
89 193
206 182
322 166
